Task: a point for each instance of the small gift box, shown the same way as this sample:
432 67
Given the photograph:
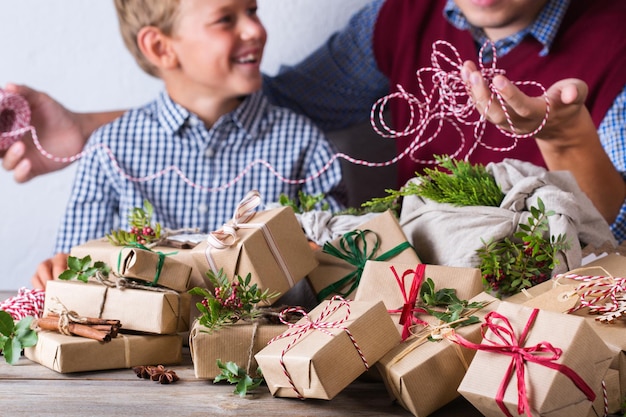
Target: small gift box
394 284
153 267
269 245
237 343
144 310
303 361
423 375
535 362
101 250
608 397
66 354
341 261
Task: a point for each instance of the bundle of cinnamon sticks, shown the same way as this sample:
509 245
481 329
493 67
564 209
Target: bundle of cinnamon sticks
102 330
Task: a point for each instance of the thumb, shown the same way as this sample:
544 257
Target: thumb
569 91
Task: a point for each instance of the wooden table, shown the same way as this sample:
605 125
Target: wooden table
28 388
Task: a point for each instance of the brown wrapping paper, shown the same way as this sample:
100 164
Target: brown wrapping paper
550 393
139 310
379 283
389 233
234 343
423 376
142 265
613 397
322 365
66 354
103 251
277 270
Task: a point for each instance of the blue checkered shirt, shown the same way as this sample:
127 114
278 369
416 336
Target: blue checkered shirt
337 85
163 134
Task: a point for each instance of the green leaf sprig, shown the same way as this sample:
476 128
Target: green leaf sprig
230 301
460 184
508 266
15 336
234 374
82 269
141 231
304 202
445 305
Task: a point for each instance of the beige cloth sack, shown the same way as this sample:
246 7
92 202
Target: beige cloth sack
443 234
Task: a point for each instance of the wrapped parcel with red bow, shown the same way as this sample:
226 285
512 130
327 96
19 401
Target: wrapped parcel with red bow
536 363
270 245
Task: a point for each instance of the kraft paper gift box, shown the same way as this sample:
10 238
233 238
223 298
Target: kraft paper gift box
270 246
423 375
159 312
237 343
322 362
612 393
104 251
578 353
379 283
335 275
65 354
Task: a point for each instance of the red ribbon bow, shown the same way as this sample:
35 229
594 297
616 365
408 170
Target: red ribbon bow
408 310
513 346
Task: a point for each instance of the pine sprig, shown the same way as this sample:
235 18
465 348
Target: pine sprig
141 231
508 266
15 336
230 301
234 374
459 183
304 203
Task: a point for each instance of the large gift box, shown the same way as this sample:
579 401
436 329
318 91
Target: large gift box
423 375
104 251
237 343
143 310
379 282
66 354
328 349
342 260
537 362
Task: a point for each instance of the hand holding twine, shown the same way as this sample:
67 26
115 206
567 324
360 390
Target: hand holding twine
508 343
297 331
14 118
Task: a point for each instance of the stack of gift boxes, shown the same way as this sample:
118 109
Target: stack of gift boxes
366 319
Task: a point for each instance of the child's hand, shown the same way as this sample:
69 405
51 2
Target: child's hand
48 270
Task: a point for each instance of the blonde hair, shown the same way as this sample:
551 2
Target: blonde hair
133 15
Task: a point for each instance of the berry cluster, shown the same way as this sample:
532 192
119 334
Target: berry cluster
141 228
144 234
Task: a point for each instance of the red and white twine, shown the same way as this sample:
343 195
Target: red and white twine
447 101
26 303
298 330
596 290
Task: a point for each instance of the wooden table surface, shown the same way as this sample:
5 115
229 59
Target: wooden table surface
30 389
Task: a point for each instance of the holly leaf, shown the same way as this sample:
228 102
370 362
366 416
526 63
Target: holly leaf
6 323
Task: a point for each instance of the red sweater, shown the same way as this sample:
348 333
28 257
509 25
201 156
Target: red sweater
590 45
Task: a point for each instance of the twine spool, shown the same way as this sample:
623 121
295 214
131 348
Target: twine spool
14 118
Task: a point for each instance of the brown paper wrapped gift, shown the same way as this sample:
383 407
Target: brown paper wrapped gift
378 282
612 393
335 275
270 245
423 375
66 354
237 343
323 361
159 312
549 391
103 251
153 267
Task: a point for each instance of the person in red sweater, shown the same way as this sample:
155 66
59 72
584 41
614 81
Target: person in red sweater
547 41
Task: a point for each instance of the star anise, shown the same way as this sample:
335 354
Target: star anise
162 375
143 371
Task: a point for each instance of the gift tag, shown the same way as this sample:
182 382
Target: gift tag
560 299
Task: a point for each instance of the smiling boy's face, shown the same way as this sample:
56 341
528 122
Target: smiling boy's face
219 45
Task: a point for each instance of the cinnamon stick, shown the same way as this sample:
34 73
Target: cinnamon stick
92 320
51 323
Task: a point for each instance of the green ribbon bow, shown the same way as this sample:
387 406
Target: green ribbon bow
159 268
350 252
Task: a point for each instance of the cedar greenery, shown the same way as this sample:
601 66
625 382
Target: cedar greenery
461 184
230 301
508 266
304 202
15 336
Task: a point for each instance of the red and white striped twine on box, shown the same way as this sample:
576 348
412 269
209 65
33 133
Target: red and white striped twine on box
596 289
26 303
299 330
447 101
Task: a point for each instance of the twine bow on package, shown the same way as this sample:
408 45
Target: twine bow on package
443 234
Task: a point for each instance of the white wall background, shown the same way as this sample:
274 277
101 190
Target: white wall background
72 50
